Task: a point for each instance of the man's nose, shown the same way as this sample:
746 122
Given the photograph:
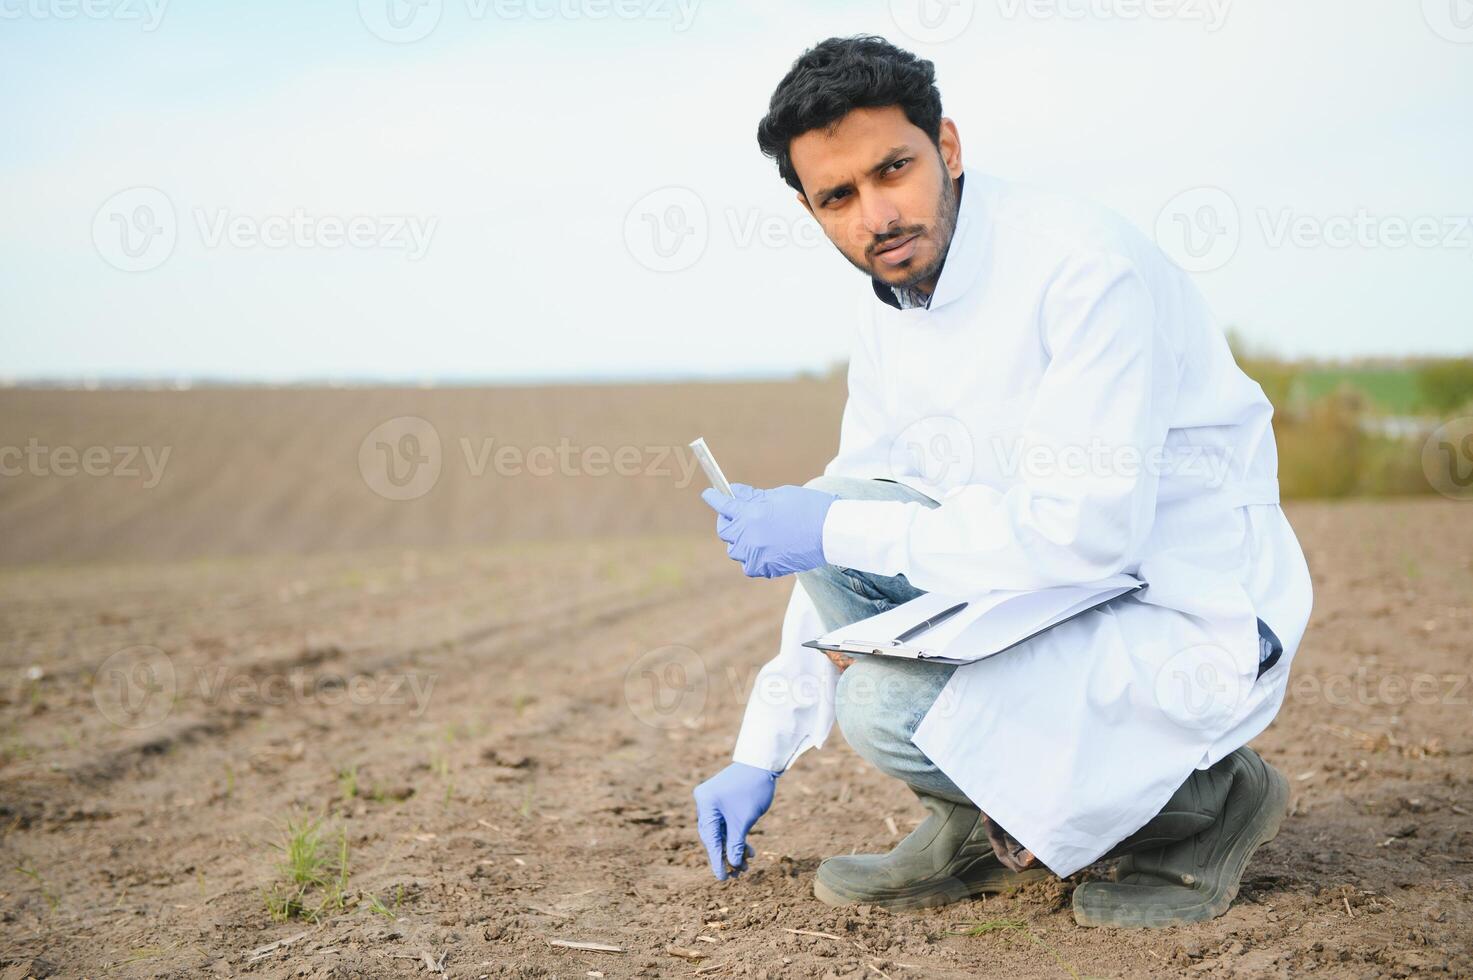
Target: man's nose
880 216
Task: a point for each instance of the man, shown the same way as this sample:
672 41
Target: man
1037 398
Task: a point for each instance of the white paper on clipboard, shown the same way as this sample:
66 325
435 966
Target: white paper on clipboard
991 623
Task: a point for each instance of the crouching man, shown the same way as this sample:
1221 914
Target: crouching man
1038 397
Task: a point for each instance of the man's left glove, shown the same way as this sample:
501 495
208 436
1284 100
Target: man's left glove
771 532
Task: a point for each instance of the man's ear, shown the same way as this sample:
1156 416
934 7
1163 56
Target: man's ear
951 148
803 200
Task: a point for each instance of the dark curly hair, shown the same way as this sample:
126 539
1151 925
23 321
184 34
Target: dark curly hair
840 74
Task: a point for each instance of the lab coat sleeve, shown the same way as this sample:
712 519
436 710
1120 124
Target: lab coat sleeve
790 708
1083 496
863 448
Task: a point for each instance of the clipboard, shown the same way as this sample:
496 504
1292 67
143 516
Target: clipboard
990 624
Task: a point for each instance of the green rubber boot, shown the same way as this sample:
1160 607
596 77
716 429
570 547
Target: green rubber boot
946 859
1229 811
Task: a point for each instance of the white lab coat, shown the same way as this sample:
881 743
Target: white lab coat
1069 399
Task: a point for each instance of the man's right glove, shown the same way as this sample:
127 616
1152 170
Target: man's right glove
727 805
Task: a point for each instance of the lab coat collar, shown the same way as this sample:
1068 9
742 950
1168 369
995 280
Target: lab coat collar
963 258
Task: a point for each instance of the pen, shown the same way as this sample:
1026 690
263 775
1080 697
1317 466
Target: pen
940 617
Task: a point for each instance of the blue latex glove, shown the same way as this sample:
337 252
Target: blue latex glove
771 532
727 805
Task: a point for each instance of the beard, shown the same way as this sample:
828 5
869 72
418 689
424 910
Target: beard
942 232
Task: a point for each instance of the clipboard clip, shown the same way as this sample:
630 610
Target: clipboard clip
859 646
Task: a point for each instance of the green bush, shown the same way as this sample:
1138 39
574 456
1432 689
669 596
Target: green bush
1446 386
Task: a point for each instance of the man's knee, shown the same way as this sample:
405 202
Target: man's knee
882 699
868 488
877 705
840 486
869 726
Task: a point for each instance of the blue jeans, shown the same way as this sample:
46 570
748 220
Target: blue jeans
880 700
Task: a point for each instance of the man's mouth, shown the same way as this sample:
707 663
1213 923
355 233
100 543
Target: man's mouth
899 250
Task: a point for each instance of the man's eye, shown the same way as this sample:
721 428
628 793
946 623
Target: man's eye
835 197
899 164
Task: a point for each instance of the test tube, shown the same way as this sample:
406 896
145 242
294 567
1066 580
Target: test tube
708 463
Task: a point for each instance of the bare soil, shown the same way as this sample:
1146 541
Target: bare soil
506 734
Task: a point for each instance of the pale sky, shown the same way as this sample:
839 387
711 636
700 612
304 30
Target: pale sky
472 189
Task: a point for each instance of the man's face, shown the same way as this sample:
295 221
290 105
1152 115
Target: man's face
882 192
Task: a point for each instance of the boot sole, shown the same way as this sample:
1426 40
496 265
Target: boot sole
927 896
1263 828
